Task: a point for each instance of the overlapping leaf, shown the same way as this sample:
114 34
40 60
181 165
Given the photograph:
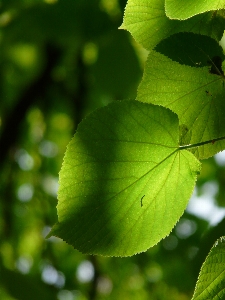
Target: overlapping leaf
211 282
191 49
148 23
176 9
196 94
124 182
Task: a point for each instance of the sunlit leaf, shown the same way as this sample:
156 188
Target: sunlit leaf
210 284
148 23
195 94
124 182
176 9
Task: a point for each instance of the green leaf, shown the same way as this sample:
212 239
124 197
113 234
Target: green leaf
191 49
147 22
195 94
211 281
176 9
124 182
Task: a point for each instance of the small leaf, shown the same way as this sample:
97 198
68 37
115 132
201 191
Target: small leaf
211 281
191 49
124 182
195 94
147 22
176 9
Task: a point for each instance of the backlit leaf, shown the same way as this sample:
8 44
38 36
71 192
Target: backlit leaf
148 23
124 182
211 281
195 94
176 9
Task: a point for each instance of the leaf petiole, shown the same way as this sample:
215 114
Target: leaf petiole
201 144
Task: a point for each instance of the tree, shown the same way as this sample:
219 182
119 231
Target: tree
130 169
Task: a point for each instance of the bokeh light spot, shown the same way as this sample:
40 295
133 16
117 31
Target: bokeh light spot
85 271
25 192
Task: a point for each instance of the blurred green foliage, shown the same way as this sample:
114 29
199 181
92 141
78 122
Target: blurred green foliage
59 60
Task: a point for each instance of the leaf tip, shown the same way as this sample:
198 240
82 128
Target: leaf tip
51 232
122 26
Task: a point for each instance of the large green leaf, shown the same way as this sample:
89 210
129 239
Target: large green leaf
195 94
148 23
211 281
124 182
177 9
